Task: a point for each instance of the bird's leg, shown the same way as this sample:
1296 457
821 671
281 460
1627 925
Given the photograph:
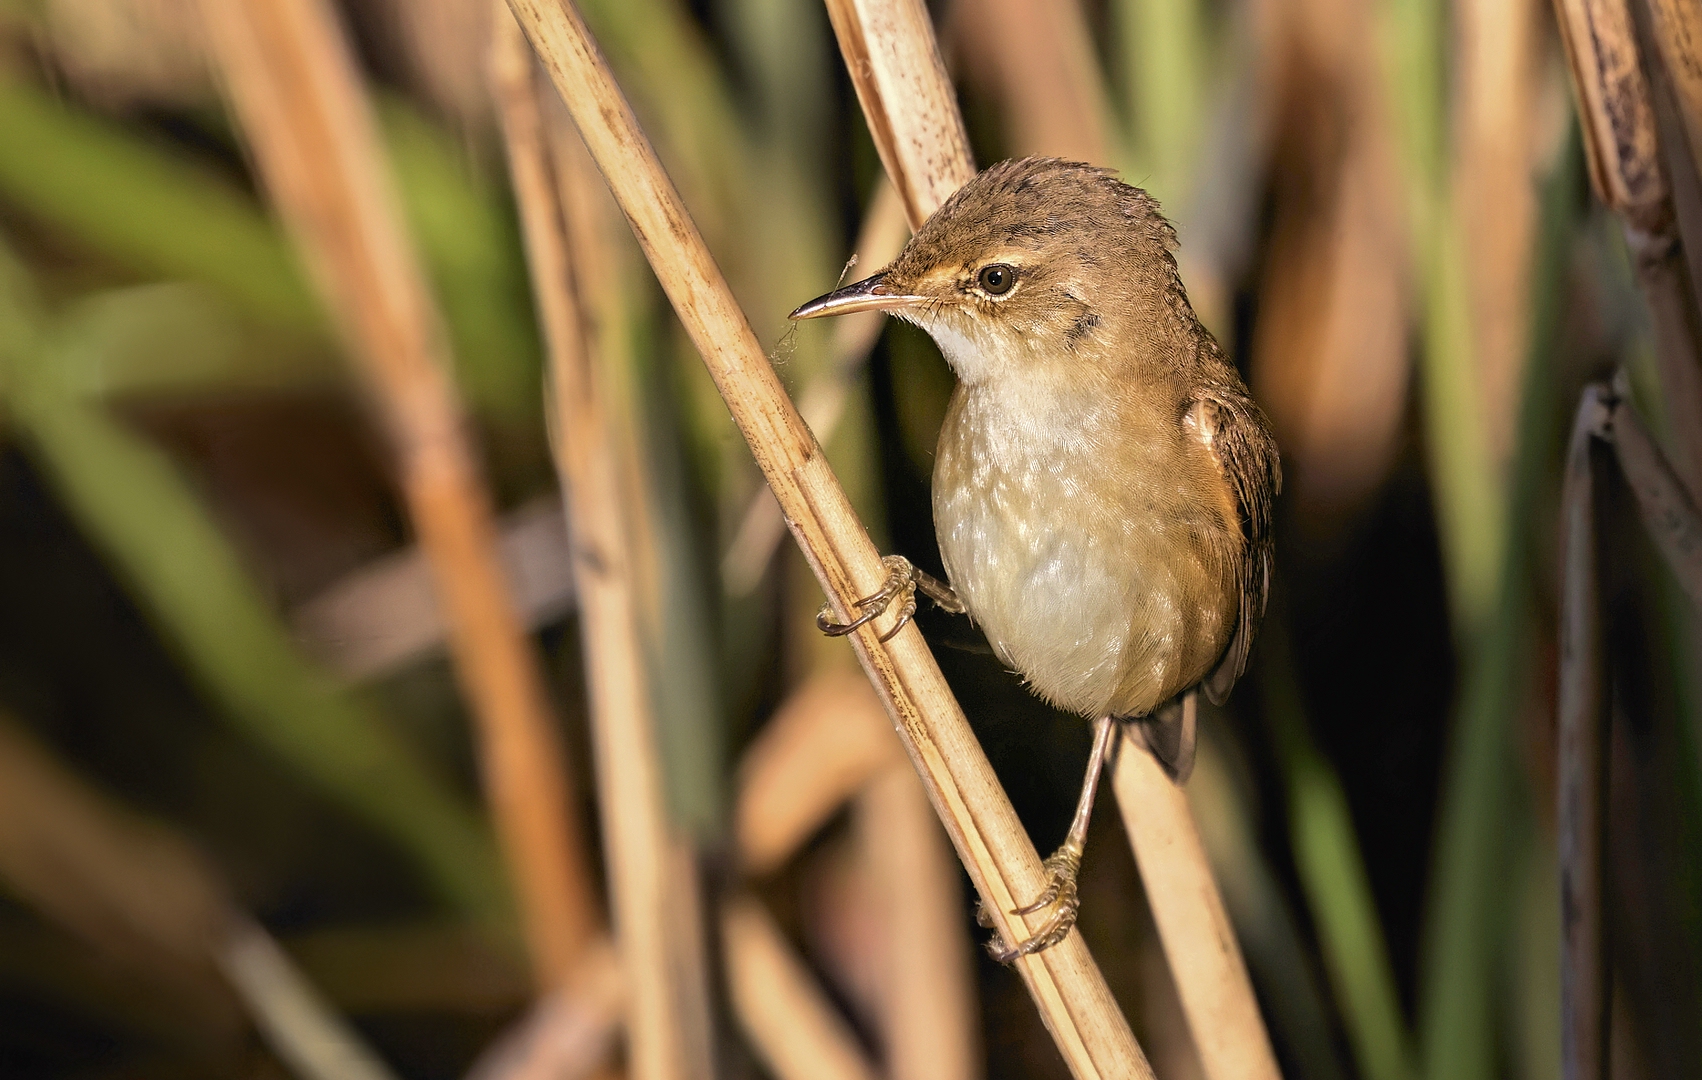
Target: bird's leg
1063 865
902 581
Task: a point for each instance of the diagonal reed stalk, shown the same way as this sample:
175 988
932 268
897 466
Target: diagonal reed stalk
635 823
294 84
1090 1031
1199 942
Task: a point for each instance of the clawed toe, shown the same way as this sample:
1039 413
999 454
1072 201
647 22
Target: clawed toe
900 584
1059 894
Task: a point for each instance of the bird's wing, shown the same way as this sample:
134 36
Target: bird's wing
1247 453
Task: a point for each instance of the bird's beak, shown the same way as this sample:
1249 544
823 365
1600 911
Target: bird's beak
870 294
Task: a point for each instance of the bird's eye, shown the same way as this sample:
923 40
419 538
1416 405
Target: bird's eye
996 279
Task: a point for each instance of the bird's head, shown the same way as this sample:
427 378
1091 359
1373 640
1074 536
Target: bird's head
1036 261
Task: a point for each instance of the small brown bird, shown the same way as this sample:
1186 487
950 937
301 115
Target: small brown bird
1103 484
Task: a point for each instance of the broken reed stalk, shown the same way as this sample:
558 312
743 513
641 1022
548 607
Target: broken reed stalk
780 1007
1622 144
637 842
1584 717
296 89
1091 1033
921 138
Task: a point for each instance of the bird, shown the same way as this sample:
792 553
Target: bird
1103 483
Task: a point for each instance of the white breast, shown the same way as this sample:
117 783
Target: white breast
1045 563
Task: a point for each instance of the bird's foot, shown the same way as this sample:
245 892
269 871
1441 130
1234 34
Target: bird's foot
1062 866
902 582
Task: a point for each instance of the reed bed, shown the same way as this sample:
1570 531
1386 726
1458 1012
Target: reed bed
397 479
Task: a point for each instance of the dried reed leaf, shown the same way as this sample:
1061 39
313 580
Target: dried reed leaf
1614 110
385 614
1677 30
296 1021
929 1019
827 740
1091 1032
1669 512
294 83
645 883
781 1009
568 1034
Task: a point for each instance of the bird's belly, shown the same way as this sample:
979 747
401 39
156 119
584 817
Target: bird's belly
1104 605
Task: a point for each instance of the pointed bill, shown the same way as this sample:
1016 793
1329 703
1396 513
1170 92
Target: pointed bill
870 294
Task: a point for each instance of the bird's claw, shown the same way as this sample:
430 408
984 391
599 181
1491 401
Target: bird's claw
1062 867
900 585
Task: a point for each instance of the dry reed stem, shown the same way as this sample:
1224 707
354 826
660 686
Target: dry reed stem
1199 942
1091 1032
1677 26
907 100
296 89
927 998
822 746
1581 814
637 844
795 1029
1614 110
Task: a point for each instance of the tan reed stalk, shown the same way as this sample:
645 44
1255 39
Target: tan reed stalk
928 1012
294 84
1199 943
791 1024
1091 1033
907 99
637 843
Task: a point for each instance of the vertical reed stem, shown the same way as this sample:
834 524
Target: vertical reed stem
637 841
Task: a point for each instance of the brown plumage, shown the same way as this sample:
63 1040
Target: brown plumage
1103 484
